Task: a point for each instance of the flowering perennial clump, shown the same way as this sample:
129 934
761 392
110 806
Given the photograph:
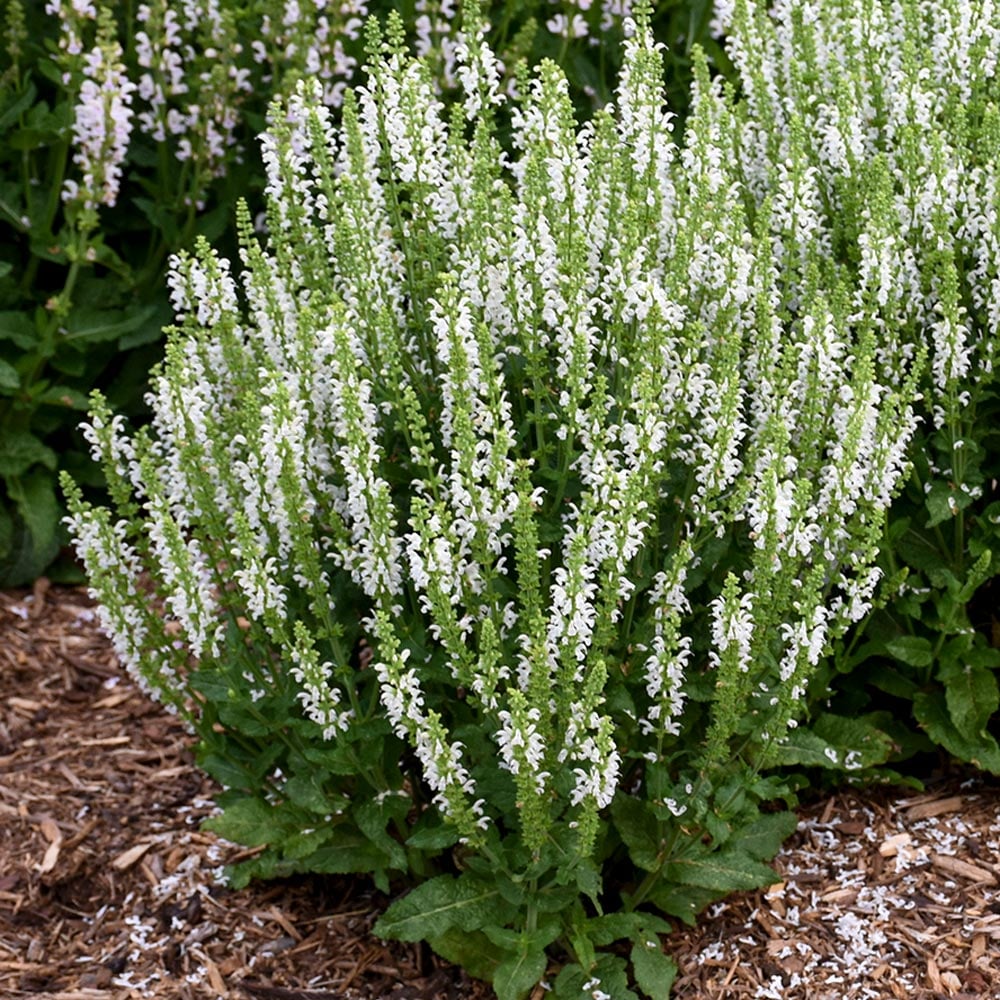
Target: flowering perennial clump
494 519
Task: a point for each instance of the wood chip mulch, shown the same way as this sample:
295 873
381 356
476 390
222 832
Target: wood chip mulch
110 891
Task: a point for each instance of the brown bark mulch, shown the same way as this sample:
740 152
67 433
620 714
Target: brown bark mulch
109 890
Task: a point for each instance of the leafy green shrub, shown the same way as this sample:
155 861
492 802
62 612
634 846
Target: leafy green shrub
491 536
901 128
125 131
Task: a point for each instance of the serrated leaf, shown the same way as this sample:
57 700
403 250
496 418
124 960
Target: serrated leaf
913 650
348 852
683 901
64 396
472 950
891 681
611 927
723 871
19 328
225 771
433 836
931 712
374 816
638 828
516 976
972 697
804 748
306 791
92 326
943 502
858 742
440 904
653 970
249 822
19 451
763 838
34 496
608 975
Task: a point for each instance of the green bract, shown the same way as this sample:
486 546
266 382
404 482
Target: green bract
491 536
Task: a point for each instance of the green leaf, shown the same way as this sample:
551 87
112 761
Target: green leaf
17 105
349 851
440 904
472 950
432 833
248 821
517 975
891 681
610 927
18 327
21 558
654 971
608 975
972 697
943 502
763 838
804 748
34 496
931 712
93 326
724 871
64 396
683 901
9 379
858 742
374 816
306 791
225 771
913 650
637 826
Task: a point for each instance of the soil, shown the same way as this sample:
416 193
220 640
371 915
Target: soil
109 889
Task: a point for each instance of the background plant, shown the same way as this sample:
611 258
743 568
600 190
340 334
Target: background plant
128 129
904 126
492 537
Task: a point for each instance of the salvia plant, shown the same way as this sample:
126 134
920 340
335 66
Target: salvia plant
894 111
493 521
128 129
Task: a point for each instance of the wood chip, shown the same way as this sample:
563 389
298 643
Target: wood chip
978 947
113 700
962 869
50 830
214 976
24 705
936 807
51 858
951 983
126 859
109 741
286 925
934 976
889 847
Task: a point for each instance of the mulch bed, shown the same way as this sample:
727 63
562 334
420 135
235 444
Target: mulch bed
109 890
